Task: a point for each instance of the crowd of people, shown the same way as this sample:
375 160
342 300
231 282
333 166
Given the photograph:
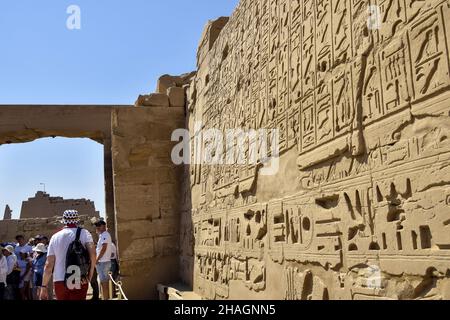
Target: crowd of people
35 269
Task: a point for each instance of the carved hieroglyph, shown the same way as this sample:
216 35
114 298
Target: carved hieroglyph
360 208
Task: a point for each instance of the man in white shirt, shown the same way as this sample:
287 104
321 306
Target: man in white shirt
56 259
113 251
3 273
22 244
104 250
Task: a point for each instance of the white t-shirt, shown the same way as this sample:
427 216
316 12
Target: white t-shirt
105 237
3 269
113 251
18 248
59 244
12 263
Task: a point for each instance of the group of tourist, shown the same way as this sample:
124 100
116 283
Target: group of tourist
37 269
21 267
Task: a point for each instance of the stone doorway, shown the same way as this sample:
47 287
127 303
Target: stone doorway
142 184
20 124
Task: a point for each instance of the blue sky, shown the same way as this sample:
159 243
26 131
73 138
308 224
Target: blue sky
119 52
70 168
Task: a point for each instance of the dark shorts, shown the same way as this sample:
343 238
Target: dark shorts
37 281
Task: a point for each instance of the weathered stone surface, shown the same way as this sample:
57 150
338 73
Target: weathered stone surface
149 227
146 196
167 81
153 100
176 96
360 205
27 123
141 277
8 213
210 34
359 208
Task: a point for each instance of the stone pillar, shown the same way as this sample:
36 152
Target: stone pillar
8 213
147 196
109 188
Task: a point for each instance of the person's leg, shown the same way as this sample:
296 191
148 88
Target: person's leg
17 295
34 293
28 290
9 292
37 283
103 269
78 294
51 289
2 291
60 291
115 274
115 269
94 285
22 293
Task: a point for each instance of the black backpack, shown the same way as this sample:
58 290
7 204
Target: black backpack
78 255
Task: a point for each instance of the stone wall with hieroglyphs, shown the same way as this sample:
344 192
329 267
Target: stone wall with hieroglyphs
360 206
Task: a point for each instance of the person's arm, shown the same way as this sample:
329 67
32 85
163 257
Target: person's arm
29 266
88 242
92 255
48 270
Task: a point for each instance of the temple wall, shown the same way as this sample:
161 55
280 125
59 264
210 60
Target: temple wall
360 205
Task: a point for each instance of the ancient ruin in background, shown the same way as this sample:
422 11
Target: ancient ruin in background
42 205
42 214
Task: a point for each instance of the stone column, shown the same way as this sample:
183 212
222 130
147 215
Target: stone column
109 188
147 198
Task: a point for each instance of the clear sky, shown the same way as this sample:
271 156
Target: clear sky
70 168
119 52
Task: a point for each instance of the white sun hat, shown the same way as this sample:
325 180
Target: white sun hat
40 248
10 249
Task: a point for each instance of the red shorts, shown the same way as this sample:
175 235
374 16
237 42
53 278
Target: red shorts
62 293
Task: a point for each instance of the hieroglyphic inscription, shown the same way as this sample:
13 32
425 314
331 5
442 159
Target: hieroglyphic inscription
365 112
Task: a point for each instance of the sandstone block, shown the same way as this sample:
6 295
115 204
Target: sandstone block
176 97
164 83
139 249
166 246
153 100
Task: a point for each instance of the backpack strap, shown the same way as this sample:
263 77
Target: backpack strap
77 238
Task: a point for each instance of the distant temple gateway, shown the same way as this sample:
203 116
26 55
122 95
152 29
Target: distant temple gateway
42 215
45 206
